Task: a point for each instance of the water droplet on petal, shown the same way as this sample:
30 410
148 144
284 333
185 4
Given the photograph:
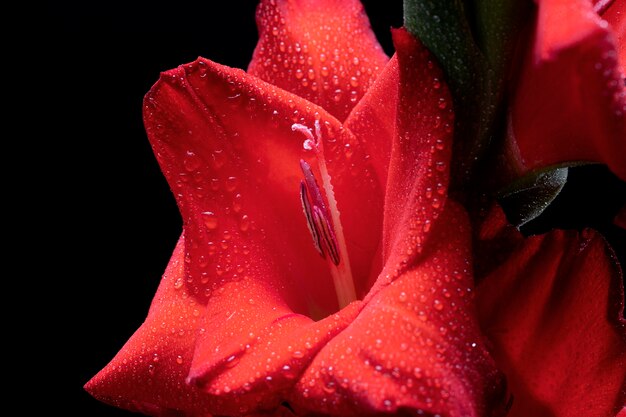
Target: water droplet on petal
210 220
231 184
244 223
191 162
237 203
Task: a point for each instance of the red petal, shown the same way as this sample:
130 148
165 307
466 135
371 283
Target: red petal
419 165
322 50
416 345
554 313
615 15
570 103
373 119
254 349
148 374
217 104
225 143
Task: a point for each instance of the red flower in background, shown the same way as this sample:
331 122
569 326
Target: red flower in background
325 137
569 103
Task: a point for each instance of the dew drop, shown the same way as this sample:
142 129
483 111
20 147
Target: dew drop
337 95
244 223
348 150
179 359
178 284
191 162
237 203
329 387
219 159
388 404
210 220
231 361
231 184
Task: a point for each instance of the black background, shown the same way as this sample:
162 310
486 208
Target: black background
119 216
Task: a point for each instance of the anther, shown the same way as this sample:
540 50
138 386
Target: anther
317 215
306 206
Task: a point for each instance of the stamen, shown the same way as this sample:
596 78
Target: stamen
311 184
327 235
323 225
317 215
310 142
306 206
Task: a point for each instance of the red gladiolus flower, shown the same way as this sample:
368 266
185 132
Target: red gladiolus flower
570 101
246 316
552 308
324 270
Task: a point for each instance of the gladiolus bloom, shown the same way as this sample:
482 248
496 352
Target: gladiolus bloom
323 268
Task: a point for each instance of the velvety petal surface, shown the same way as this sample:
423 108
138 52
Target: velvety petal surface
373 119
569 104
416 346
225 143
615 15
553 311
148 374
322 50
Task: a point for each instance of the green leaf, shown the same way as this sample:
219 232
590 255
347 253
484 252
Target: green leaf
473 42
498 25
527 198
442 26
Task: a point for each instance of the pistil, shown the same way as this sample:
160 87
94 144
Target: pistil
325 223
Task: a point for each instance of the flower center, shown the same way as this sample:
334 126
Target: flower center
324 222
